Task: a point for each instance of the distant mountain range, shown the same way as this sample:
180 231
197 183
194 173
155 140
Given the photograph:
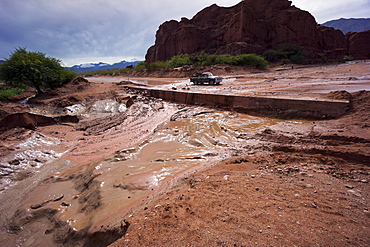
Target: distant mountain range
349 25
86 67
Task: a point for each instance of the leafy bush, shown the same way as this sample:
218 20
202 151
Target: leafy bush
141 66
348 58
252 60
205 59
155 65
202 59
272 55
8 92
225 59
289 52
180 60
34 69
160 65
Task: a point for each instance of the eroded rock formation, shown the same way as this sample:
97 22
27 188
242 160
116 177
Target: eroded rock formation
358 44
248 27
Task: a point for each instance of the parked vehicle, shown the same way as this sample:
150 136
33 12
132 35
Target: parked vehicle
205 78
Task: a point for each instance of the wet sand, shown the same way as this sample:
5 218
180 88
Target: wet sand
123 181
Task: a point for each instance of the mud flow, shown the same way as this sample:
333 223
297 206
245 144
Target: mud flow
133 161
39 149
29 158
73 201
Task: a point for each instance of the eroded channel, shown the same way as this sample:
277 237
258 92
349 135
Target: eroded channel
77 202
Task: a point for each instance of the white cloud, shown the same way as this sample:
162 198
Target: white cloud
77 30
330 10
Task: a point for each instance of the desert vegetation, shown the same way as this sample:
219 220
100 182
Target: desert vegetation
24 68
7 92
202 59
288 53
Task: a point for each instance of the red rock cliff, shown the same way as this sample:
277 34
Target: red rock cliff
248 27
359 44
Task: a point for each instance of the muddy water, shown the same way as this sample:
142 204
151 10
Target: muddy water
88 108
131 175
38 150
126 177
30 156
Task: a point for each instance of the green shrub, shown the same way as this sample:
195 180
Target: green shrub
34 69
225 59
202 59
160 65
141 66
205 59
290 53
251 60
155 65
272 55
298 58
348 58
8 92
180 60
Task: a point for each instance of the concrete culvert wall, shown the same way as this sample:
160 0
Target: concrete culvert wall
283 108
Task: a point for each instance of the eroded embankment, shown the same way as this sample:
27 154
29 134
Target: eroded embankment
263 106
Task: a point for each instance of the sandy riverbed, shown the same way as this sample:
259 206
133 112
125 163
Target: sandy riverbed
246 180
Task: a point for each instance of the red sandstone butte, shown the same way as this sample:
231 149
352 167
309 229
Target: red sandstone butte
248 27
359 44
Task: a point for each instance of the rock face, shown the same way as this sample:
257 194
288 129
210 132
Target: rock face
358 44
248 27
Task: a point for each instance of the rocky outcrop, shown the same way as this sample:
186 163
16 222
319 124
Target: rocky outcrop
358 44
248 27
331 43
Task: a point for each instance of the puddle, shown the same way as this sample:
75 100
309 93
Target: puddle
31 155
91 108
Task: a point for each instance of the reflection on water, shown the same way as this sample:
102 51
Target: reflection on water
106 106
31 155
89 107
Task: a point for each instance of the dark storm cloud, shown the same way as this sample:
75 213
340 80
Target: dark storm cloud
98 30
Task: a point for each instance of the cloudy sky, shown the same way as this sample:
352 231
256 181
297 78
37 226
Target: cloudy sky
81 31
